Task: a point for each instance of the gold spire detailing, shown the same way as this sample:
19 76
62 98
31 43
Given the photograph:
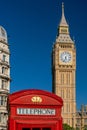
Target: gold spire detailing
63 20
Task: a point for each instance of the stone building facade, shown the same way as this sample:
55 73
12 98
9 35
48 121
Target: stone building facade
4 78
81 118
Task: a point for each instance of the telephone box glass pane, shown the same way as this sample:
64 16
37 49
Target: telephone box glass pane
46 129
36 129
25 128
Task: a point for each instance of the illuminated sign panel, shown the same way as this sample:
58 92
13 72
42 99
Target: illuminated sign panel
35 111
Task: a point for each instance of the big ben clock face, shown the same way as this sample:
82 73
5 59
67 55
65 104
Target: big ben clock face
65 57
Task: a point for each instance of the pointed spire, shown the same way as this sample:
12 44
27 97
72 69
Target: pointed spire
63 30
62 8
63 20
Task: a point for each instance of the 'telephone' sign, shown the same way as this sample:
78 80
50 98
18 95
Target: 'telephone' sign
35 111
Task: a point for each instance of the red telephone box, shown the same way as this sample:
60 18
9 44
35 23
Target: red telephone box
34 110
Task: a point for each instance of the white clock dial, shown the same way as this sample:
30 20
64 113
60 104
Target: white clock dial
65 57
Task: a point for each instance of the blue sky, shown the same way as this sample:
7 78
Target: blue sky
32 27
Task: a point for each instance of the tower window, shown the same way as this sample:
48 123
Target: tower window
4 70
3 118
62 78
4 84
62 93
4 58
3 100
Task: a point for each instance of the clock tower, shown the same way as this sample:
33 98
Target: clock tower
64 71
